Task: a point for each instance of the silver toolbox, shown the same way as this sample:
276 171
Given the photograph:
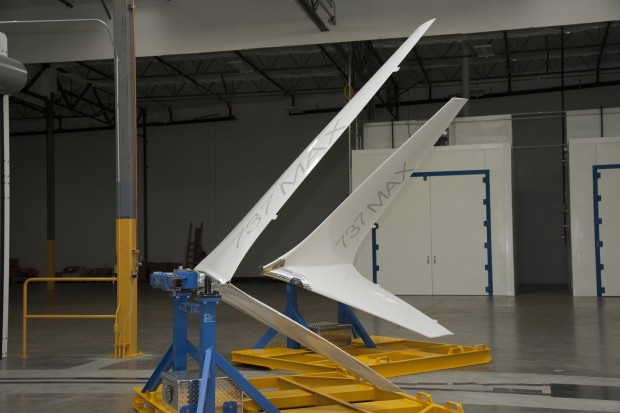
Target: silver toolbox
338 334
182 388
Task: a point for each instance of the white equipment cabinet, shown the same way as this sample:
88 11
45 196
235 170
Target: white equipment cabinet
609 228
595 215
438 230
458 234
433 239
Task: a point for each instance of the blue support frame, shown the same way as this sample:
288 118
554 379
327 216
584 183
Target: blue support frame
345 316
598 244
486 179
207 357
291 312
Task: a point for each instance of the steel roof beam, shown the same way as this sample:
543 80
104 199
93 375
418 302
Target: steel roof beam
107 11
600 54
36 77
309 7
334 63
424 73
191 79
508 67
262 73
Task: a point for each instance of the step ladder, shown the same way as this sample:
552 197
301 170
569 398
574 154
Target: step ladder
194 253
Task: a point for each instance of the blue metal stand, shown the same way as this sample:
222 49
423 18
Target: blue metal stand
345 316
207 357
291 312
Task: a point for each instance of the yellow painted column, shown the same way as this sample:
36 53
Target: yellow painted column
126 325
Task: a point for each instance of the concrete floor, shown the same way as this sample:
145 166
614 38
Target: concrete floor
551 352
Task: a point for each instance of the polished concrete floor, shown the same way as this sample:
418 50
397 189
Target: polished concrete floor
551 352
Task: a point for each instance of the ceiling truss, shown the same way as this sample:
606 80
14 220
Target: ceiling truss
502 62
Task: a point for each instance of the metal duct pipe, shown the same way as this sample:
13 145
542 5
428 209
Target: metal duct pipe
13 75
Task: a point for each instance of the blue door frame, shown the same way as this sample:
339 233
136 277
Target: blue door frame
487 223
598 244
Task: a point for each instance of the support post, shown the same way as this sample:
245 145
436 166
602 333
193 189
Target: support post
207 345
5 215
126 343
347 316
207 322
4 116
375 248
51 202
179 332
291 312
465 81
145 198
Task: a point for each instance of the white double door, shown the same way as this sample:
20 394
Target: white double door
609 230
432 240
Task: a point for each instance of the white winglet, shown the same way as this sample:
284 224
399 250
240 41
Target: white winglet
233 296
323 262
223 261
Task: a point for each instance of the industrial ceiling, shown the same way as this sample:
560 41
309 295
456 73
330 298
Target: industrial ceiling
495 63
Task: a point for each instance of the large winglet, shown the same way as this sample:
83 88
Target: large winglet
223 261
323 262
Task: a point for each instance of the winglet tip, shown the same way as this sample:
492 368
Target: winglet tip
442 332
428 23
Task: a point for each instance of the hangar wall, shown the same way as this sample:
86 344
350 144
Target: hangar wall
593 141
210 172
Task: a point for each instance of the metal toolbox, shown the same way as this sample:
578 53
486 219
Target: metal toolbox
338 334
181 388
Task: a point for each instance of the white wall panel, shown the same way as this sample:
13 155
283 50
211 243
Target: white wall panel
496 158
404 237
583 123
458 235
482 129
463 131
583 154
591 123
609 213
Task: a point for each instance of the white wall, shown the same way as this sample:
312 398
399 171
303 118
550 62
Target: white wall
187 26
583 153
85 206
590 123
208 172
531 103
462 131
496 158
249 154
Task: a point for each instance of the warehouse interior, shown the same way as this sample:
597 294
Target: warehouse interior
507 233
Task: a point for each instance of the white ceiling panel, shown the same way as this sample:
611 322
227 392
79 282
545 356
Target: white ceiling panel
167 27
